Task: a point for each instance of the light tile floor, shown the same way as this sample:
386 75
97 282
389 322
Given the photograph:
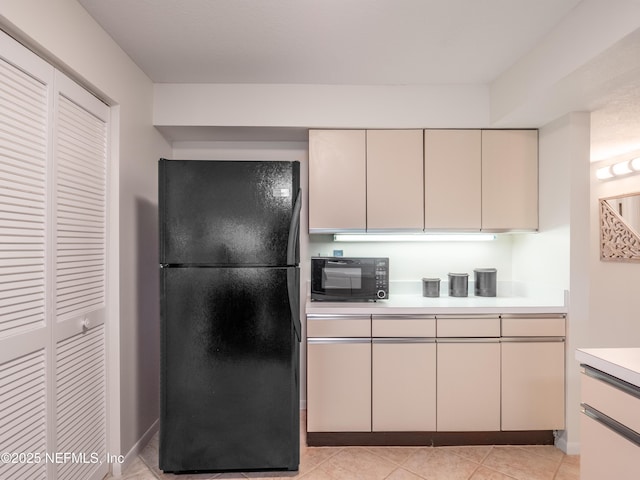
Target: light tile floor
396 463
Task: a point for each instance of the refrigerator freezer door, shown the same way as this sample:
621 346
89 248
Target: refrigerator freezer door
229 370
225 212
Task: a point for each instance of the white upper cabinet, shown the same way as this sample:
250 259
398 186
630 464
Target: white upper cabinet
452 180
337 180
394 180
414 180
509 180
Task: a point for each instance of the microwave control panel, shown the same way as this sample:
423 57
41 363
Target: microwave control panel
382 278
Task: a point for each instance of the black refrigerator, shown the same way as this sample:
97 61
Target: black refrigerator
230 323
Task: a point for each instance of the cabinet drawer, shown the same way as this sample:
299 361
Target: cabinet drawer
610 400
338 326
403 326
605 454
547 326
473 326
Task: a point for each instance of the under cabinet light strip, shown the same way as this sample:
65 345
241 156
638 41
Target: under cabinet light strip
414 237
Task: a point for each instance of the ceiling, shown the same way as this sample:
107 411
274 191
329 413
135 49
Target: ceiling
357 42
343 42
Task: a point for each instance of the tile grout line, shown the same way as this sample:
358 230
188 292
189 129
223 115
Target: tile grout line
399 465
555 474
149 467
475 471
317 467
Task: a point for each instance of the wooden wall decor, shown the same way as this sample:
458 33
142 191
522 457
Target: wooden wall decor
618 242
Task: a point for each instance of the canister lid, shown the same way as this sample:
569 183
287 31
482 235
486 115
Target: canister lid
485 270
458 274
430 279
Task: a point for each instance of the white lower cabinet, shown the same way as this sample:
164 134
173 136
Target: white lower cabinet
468 385
403 389
421 373
604 454
339 385
468 372
533 372
339 373
532 385
609 428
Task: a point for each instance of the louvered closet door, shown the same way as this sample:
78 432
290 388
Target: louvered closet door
25 329
80 154
53 137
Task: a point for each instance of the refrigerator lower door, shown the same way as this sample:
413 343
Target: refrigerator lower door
229 370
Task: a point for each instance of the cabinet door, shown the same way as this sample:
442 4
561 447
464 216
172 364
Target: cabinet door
532 385
395 198
452 179
468 387
404 386
510 179
337 180
339 385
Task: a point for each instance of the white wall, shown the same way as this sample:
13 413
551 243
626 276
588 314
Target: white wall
64 33
544 257
580 58
318 106
413 261
615 299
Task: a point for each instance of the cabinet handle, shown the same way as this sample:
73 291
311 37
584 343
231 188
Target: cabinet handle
468 340
532 339
612 381
404 317
337 340
326 316
405 340
611 424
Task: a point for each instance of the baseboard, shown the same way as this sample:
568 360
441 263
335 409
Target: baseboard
570 448
118 468
436 439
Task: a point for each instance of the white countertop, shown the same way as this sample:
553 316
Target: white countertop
622 363
511 298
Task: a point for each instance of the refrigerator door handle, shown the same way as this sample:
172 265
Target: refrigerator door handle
294 232
293 289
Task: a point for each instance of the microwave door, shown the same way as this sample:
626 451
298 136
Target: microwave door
342 279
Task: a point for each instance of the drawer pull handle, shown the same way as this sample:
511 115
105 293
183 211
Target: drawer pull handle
337 340
611 380
611 424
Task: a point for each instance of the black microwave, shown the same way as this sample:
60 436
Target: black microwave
349 279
